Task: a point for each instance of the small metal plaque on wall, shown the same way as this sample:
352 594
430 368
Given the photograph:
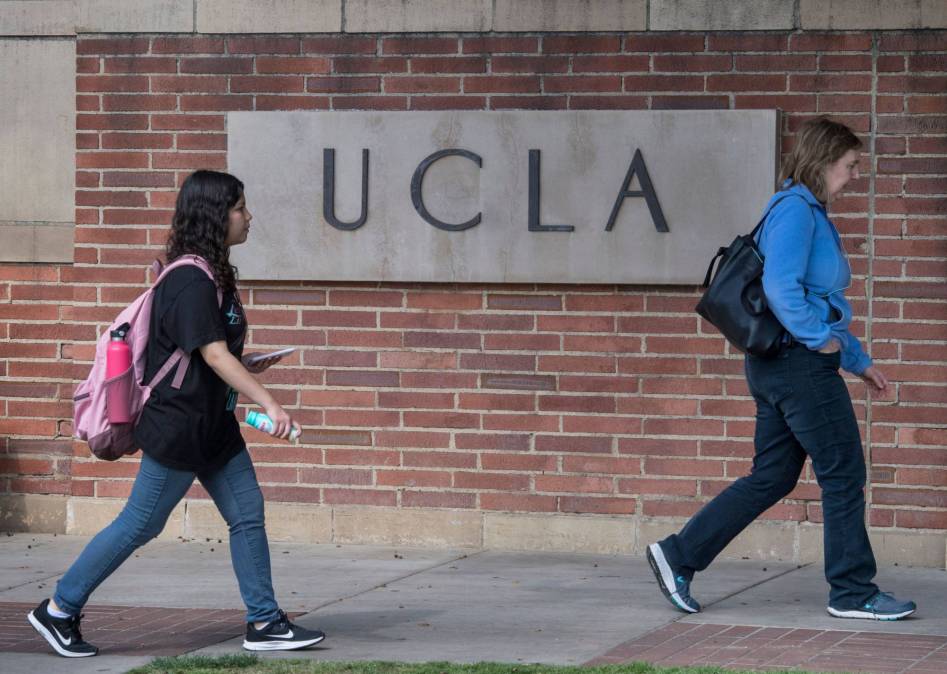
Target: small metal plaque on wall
498 197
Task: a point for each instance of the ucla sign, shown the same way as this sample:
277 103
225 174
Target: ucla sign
511 197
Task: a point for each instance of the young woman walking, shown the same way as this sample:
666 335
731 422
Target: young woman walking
802 404
192 431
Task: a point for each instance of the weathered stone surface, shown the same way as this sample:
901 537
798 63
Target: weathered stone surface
426 528
269 16
135 16
37 170
406 16
562 533
711 171
872 14
31 18
714 15
37 513
570 15
36 165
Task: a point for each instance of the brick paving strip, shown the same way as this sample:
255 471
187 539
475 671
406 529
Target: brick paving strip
129 630
781 649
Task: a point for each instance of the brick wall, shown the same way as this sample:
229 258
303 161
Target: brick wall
568 399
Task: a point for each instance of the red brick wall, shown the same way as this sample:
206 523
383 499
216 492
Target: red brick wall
592 399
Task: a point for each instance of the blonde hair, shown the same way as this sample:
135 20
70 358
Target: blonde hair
820 142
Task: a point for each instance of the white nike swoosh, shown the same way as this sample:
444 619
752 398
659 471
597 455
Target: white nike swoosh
288 635
66 642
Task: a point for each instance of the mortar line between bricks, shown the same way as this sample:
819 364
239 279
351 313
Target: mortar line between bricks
816 653
939 649
870 281
737 643
694 625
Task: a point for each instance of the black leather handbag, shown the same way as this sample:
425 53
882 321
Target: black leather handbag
734 301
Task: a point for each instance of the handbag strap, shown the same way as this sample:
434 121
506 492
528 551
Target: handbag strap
723 250
770 208
720 252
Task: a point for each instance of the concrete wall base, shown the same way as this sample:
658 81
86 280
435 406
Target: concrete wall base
312 523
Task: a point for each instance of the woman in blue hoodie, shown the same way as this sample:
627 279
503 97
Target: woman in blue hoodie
802 403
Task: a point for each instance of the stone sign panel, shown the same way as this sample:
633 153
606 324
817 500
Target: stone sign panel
498 197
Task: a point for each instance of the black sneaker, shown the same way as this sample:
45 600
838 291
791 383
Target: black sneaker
62 633
676 588
882 606
280 635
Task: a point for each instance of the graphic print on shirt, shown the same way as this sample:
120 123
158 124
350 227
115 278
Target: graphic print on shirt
187 314
235 316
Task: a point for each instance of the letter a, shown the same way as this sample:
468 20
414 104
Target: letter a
647 191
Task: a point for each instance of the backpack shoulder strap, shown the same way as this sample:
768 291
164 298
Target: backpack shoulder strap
161 271
178 357
179 360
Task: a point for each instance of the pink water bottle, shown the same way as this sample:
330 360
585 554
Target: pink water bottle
118 359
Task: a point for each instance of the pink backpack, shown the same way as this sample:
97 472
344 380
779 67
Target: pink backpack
92 397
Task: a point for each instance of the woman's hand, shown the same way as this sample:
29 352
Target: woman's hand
875 379
283 423
235 373
260 365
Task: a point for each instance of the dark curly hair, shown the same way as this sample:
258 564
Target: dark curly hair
201 217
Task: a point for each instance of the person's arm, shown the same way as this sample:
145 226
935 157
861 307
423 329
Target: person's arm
859 363
785 245
854 358
232 371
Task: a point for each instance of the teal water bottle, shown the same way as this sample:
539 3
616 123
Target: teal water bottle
261 422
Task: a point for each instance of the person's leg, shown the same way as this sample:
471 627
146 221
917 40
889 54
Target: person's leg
823 420
777 462
156 491
237 495
776 467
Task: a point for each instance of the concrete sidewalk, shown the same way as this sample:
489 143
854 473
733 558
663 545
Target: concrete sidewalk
465 605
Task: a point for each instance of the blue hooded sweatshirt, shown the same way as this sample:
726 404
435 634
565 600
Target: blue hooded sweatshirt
806 273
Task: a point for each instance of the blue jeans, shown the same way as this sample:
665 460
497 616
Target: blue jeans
802 408
157 490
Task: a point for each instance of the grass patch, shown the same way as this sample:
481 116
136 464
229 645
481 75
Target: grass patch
251 664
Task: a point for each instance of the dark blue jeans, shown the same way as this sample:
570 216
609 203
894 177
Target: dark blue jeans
802 408
157 490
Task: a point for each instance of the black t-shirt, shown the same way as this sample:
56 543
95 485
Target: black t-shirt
191 428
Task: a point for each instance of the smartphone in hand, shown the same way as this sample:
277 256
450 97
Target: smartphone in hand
253 360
